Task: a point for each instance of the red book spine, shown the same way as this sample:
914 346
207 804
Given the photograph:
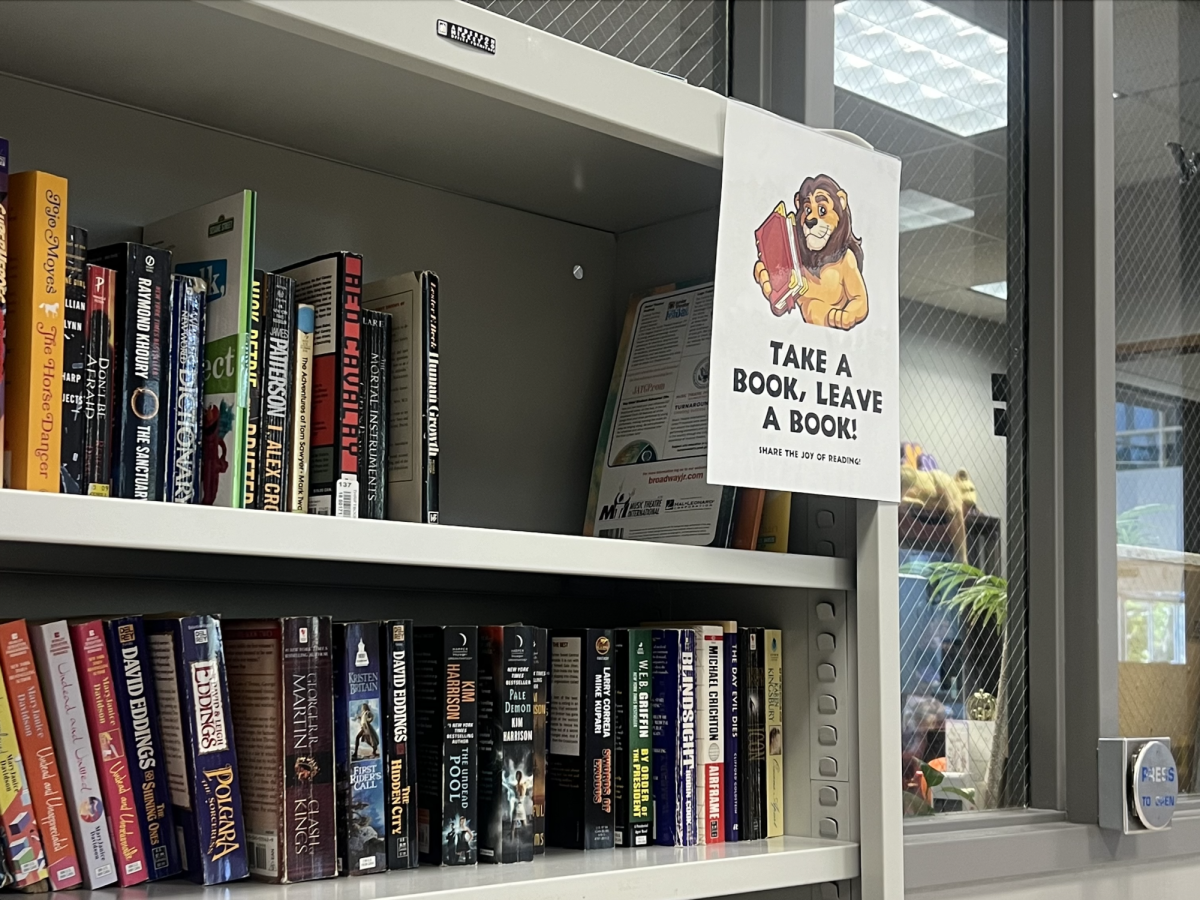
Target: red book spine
37 751
100 705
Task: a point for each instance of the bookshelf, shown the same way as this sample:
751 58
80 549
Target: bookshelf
360 128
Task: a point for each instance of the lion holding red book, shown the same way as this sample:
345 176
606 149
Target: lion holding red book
821 273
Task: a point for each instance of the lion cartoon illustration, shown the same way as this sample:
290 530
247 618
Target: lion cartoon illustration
830 256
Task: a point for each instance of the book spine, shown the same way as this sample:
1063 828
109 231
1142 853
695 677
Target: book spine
216 814
506 743
181 481
710 738
631 713
399 704
254 394
348 403
98 332
732 722
3 308
137 706
309 809
137 447
37 749
301 409
752 734
460 769
361 827
664 733
541 696
689 807
431 410
773 681
91 661
34 329
373 474
429 732
89 823
22 839
275 422
74 313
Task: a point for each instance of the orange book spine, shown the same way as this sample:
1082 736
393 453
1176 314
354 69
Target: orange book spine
37 261
37 750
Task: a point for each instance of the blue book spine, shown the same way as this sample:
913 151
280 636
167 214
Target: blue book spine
183 380
732 763
137 706
214 835
361 814
673 734
689 825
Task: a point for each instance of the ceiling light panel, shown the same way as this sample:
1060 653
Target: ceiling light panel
920 210
923 61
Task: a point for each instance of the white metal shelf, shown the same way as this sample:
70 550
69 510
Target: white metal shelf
59 519
652 873
544 125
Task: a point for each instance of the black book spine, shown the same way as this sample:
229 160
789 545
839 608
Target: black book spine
541 697
431 406
74 362
254 390
183 390
372 458
506 656
98 381
399 710
752 736
274 427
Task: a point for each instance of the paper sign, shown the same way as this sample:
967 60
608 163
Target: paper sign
805 361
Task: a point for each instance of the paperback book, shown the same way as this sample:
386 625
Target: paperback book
580 813
752 735
255 336
632 771
332 284
673 671
506 656
301 409
710 739
362 817
274 457
98 386
281 689
4 461
399 707
182 396
137 707
541 704
372 452
81 779
198 742
74 313
22 839
411 300
215 243
773 691
447 665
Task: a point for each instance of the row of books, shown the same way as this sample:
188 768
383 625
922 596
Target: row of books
136 749
175 370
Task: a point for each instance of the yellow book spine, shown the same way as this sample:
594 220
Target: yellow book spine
773 638
37 260
776 516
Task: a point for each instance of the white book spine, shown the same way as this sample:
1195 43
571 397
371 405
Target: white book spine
81 779
710 733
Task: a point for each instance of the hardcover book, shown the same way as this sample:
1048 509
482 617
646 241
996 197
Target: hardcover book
197 731
182 394
274 429
399 714
777 248
215 242
255 336
108 746
301 409
281 688
752 735
579 771
649 474
4 459
541 703
37 240
333 285
673 671
73 746
143 285
362 817
137 708
632 773
411 300
22 839
75 310
773 690
372 452
506 656
98 387
447 665
37 752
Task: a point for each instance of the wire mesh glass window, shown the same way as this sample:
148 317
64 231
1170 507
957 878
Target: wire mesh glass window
684 38
942 85
1156 108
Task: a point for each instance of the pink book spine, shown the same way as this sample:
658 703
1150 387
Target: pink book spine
100 704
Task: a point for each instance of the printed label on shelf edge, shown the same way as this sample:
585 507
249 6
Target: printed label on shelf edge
805 344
